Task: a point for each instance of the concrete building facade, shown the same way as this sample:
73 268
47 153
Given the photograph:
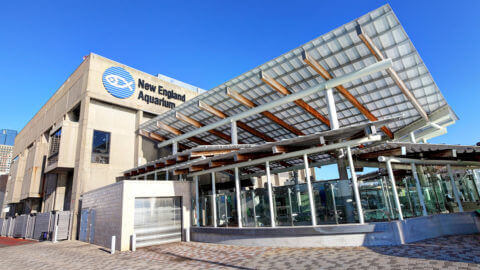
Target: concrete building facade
84 137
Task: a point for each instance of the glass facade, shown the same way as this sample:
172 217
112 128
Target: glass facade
291 204
7 137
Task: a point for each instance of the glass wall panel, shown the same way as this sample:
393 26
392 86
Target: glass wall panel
206 210
375 201
255 208
292 205
326 201
226 209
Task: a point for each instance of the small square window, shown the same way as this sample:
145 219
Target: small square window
101 147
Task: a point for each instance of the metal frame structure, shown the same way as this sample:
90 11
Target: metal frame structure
274 117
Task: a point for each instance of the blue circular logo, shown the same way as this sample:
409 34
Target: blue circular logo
118 82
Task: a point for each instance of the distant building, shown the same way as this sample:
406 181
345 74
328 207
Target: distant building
7 140
5 158
7 137
3 187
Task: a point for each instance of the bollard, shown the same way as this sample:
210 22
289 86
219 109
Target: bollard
112 247
134 242
187 235
54 240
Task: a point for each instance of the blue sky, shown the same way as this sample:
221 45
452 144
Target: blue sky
208 42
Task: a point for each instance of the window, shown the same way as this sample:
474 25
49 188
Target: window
54 146
101 147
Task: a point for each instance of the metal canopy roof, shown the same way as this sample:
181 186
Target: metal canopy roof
340 51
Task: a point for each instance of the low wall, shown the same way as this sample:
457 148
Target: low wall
371 234
114 207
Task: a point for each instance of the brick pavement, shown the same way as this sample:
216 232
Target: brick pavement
453 252
8 241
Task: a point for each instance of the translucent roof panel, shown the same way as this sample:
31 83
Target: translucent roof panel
340 52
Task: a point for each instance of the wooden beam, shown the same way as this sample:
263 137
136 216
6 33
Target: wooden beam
280 149
246 157
211 153
218 163
196 168
180 172
393 74
170 162
178 132
197 124
240 124
299 102
169 128
400 151
159 138
182 158
246 102
448 153
354 101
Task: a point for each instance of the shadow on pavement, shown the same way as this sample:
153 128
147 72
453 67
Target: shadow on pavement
458 248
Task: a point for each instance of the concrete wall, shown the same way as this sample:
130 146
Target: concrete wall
115 207
372 234
32 175
98 110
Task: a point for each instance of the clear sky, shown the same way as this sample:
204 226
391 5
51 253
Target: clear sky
206 43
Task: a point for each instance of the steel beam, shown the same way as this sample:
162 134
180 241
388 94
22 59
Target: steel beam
379 66
248 103
299 102
319 149
393 74
429 162
342 90
240 124
197 124
179 134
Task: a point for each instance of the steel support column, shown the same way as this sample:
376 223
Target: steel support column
454 187
214 200
358 202
310 191
270 194
419 189
197 202
394 188
237 196
174 148
234 132
412 137
332 110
